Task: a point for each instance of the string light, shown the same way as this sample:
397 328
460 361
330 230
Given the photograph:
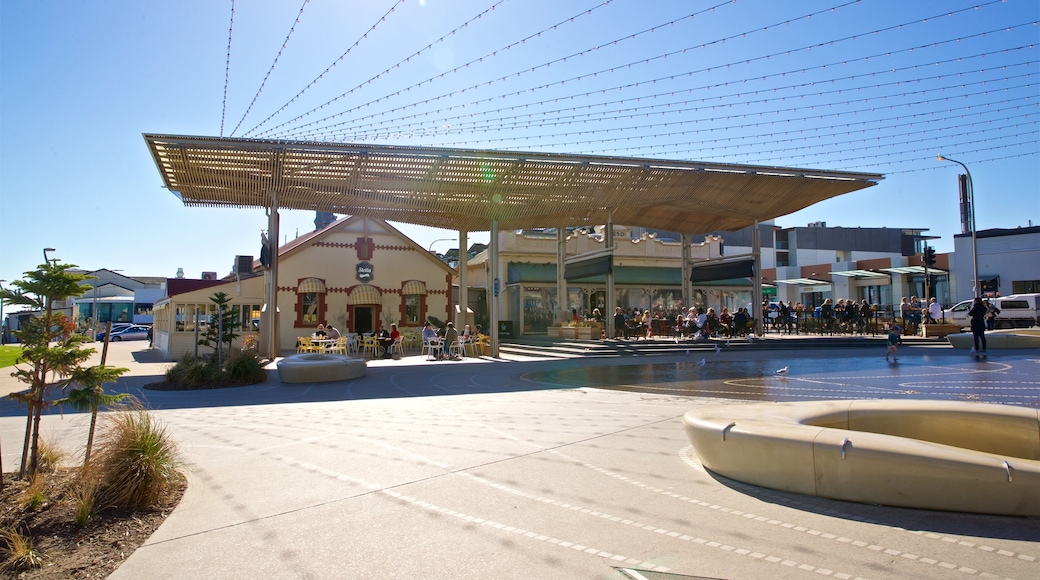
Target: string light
227 69
268 75
835 113
741 62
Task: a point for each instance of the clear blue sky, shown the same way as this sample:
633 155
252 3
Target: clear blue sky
877 86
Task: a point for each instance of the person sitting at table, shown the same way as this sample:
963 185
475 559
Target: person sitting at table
384 340
450 336
429 336
395 335
320 333
466 336
333 334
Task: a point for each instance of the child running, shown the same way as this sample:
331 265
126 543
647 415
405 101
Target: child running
894 335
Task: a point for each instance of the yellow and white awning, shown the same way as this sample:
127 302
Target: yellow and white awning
414 287
310 286
364 294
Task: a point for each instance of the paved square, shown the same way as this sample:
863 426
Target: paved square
480 470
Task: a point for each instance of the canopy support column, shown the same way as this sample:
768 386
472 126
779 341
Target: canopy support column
269 317
756 282
687 285
611 301
461 317
493 288
561 281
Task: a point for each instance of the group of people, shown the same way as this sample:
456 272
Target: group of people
845 315
912 311
443 338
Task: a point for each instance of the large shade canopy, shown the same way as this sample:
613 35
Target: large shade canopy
464 189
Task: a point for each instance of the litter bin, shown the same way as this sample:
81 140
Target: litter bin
505 328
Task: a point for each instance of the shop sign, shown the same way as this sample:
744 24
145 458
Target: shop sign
364 272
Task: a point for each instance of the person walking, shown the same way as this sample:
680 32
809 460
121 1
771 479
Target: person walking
978 326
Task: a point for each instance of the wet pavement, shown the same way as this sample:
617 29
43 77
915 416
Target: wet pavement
1012 379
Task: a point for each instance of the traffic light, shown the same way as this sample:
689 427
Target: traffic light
929 256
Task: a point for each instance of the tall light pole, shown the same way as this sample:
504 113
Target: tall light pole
46 260
3 325
976 286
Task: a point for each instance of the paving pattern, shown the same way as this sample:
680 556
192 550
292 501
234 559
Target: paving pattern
508 469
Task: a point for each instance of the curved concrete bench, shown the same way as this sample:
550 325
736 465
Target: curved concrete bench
319 368
1008 338
943 455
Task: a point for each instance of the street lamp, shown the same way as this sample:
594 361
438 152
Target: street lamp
46 260
971 210
3 325
430 249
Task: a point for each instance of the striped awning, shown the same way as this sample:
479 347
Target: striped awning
311 285
364 294
414 287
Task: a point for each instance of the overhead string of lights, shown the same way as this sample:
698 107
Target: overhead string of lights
929 162
458 68
333 100
298 131
742 115
227 69
328 68
930 154
716 144
456 121
571 56
678 107
268 75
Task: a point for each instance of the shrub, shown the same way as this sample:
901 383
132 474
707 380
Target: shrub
137 462
36 493
49 457
84 497
242 366
239 366
18 552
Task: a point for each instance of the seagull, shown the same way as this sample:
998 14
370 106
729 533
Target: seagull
701 362
782 371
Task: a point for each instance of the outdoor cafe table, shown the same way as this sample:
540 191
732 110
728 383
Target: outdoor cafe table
324 343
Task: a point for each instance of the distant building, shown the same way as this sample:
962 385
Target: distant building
1009 262
812 263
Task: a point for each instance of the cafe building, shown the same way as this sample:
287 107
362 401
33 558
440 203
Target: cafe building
357 273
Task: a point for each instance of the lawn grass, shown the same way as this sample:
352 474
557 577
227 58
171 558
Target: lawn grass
8 354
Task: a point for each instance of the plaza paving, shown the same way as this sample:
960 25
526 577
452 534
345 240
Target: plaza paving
537 468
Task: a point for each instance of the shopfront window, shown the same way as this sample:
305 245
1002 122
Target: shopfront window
310 306
539 304
412 308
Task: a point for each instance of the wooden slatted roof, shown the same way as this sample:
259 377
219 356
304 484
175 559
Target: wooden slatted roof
464 189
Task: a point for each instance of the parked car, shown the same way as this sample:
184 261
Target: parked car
1016 311
116 327
132 332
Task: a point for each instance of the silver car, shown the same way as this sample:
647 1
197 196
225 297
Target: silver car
133 332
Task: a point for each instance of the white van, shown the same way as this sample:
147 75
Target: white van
1016 311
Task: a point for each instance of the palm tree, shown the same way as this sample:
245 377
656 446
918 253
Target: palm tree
92 395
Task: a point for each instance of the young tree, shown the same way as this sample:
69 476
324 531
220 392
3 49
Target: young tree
222 330
52 351
92 395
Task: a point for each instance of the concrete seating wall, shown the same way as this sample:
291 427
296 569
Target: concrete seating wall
941 455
